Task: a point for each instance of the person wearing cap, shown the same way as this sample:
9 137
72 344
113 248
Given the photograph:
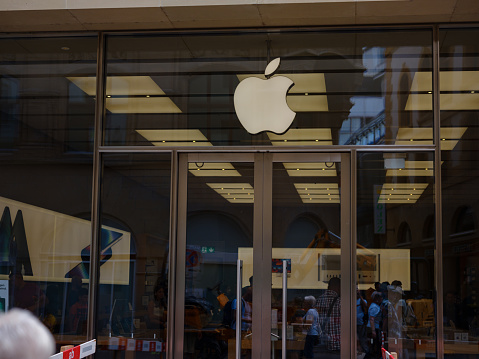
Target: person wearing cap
23 336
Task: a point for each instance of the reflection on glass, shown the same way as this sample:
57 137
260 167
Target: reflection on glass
306 233
45 152
350 88
134 262
459 110
219 232
395 263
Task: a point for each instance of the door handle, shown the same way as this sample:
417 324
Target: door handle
239 302
285 309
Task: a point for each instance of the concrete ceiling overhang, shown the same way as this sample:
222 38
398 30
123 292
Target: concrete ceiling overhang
94 15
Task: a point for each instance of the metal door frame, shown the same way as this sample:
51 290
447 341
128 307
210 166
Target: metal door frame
262 244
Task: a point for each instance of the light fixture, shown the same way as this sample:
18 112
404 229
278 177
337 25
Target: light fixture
129 94
457 91
302 137
181 137
310 169
412 169
401 192
318 192
234 192
449 136
213 169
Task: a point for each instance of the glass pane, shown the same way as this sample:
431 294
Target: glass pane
133 290
395 302
350 88
460 183
219 232
307 234
45 184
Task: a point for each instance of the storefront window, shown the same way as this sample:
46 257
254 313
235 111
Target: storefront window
460 181
46 156
134 263
395 266
350 88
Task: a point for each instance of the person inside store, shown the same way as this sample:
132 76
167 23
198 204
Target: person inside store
451 309
157 308
375 326
311 325
246 309
78 313
23 336
26 295
361 322
329 309
73 291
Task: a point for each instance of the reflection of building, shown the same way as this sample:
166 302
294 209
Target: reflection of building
124 167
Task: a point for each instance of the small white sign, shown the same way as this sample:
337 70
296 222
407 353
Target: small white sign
3 295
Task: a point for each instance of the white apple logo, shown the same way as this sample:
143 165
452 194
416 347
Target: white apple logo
261 104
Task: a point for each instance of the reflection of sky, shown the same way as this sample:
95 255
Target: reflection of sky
365 108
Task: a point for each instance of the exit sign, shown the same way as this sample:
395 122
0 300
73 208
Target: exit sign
207 249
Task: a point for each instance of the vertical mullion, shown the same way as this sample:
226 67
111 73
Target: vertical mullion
347 260
172 278
179 297
438 194
96 182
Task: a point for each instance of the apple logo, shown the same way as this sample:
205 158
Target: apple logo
261 104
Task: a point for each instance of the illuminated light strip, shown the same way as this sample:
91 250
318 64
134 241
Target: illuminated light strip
234 192
123 87
318 192
183 137
310 169
213 169
413 169
401 192
302 137
449 136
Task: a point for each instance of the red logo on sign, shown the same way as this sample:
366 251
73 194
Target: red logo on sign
73 353
192 258
139 345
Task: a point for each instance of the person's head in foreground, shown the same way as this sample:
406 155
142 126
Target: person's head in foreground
23 336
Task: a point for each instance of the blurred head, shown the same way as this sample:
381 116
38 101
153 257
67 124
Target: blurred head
83 296
160 293
23 336
77 282
394 293
377 297
335 285
17 278
309 301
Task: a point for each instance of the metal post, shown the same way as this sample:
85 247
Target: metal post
239 285
285 305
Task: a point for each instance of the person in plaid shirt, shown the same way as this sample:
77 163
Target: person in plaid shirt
332 326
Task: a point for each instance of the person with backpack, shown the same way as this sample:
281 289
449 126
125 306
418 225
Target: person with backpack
229 311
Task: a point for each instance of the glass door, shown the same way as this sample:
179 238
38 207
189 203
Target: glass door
310 245
242 218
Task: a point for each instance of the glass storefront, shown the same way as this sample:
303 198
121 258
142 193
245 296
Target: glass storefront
350 88
459 111
355 219
46 147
